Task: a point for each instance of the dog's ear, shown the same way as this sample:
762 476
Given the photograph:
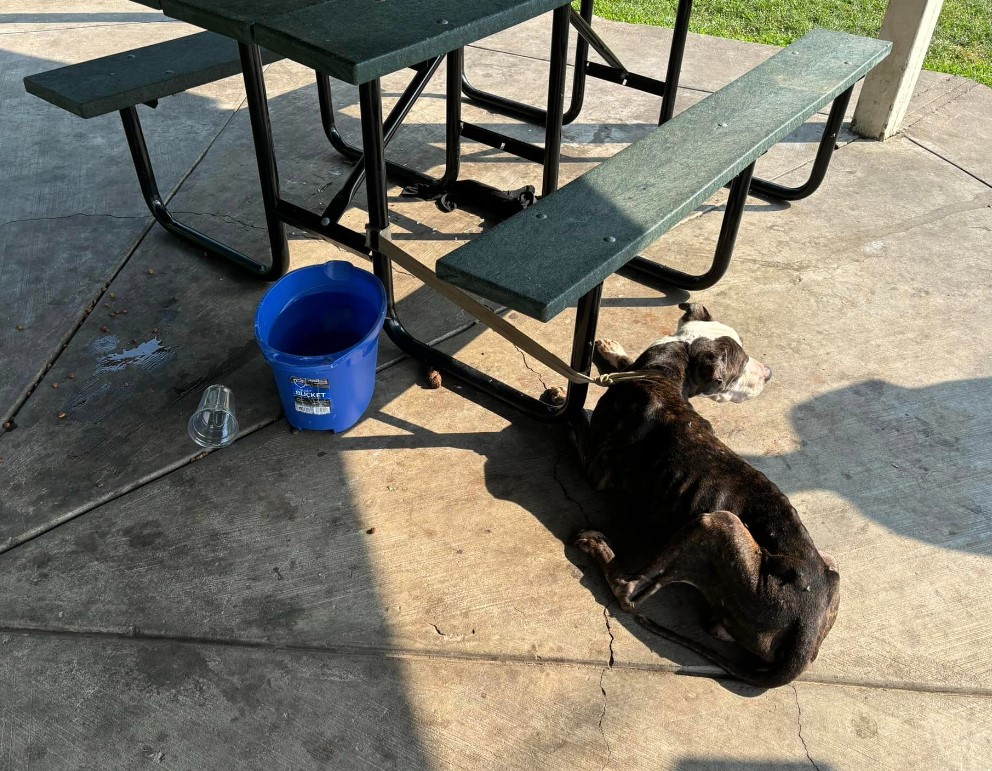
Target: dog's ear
694 312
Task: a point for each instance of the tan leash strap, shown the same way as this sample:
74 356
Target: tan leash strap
498 324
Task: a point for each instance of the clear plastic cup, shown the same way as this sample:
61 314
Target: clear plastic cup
213 424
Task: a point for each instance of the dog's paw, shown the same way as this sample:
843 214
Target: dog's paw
611 353
593 543
555 396
590 535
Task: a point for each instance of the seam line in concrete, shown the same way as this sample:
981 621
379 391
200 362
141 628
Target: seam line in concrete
920 112
164 20
149 479
947 160
163 472
707 671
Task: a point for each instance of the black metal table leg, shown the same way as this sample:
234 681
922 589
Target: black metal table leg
373 144
613 71
261 131
251 64
514 109
824 152
587 313
556 99
650 273
342 199
156 205
401 173
679 33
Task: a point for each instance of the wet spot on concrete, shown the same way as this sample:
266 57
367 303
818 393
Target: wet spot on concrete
149 355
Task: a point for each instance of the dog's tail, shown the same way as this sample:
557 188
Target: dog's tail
798 652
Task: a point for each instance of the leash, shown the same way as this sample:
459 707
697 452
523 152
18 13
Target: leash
501 326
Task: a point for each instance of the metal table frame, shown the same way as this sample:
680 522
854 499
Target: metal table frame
614 71
372 167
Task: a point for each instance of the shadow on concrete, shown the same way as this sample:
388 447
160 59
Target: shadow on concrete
915 460
85 18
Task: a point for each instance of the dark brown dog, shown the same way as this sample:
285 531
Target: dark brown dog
729 531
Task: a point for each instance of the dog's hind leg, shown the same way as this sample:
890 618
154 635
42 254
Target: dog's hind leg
717 554
629 588
714 550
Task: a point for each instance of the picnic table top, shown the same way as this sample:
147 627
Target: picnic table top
357 40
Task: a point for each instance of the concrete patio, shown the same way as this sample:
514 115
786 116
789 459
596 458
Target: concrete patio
406 595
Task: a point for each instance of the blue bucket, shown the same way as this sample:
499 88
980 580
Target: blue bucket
318 328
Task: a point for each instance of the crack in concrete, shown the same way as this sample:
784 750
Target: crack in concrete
247 225
149 224
76 214
451 637
148 479
799 725
225 217
928 109
602 688
530 368
609 631
564 490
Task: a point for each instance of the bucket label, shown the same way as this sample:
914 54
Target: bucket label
313 405
310 396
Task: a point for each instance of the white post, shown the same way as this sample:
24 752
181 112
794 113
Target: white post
885 96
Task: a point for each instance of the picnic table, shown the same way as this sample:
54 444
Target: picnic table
555 254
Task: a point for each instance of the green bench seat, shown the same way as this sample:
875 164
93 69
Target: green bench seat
544 259
121 82
116 82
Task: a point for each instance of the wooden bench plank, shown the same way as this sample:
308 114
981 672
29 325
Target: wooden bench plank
542 260
122 80
358 40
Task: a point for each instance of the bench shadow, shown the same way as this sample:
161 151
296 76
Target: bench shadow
914 460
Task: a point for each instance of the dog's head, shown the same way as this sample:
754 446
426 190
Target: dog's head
719 367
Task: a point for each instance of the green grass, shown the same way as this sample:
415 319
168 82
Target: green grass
962 44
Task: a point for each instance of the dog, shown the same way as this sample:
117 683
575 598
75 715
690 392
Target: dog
726 529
